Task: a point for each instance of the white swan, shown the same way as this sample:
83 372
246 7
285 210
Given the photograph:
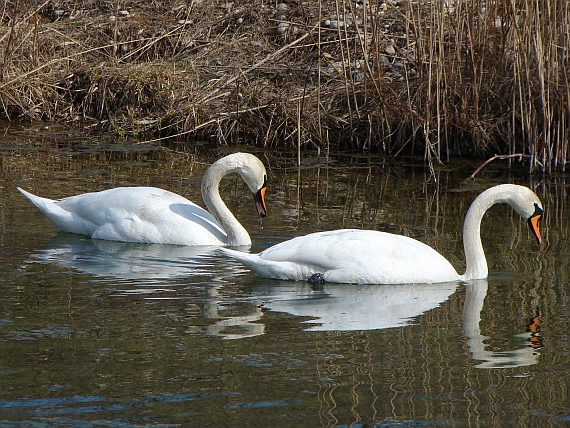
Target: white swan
372 257
151 215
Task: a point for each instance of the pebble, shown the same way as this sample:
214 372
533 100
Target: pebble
384 62
390 50
282 28
333 23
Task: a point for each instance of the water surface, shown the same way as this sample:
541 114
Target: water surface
96 333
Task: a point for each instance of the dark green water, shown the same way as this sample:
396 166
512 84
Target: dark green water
98 333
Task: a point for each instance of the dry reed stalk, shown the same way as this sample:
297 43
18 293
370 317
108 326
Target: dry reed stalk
494 75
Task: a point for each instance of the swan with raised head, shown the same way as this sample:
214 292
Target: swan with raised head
151 215
372 257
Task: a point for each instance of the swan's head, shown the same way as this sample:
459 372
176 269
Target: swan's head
252 170
527 204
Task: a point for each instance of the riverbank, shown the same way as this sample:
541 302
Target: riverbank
431 78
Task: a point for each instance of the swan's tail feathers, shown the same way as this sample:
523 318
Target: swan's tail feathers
248 259
266 268
38 201
261 267
65 220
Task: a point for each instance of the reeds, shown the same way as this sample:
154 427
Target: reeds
493 77
436 78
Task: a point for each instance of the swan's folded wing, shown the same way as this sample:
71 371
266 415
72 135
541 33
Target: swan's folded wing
144 214
348 255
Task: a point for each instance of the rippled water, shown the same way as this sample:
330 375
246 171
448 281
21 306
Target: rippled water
96 333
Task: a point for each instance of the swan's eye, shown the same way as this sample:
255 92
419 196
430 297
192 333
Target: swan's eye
537 210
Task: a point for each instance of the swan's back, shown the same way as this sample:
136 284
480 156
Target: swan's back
133 214
352 256
144 202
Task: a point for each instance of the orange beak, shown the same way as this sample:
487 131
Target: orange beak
534 223
259 198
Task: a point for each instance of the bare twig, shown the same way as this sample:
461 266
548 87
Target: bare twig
488 161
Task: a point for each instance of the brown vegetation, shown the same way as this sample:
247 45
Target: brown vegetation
432 77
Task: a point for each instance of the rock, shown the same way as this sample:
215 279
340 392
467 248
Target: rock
390 50
384 62
333 23
282 28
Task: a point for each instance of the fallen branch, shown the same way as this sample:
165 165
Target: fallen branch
488 161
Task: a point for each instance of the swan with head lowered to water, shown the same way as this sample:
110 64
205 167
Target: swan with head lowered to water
151 215
373 257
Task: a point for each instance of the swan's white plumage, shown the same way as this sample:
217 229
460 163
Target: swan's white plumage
132 214
350 256
372 257
152 215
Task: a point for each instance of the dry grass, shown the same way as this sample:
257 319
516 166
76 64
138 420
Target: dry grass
428 77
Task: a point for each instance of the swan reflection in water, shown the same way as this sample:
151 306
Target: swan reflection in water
139 263
231 327
338 307
525 355
151 269
346 307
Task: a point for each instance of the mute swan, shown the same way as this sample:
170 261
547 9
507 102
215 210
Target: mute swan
372 257
150 215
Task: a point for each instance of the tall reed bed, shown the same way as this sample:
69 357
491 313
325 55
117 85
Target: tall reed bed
437 78
493 77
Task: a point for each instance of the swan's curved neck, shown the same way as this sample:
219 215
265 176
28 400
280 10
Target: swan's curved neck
524 202
476 263
236 233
